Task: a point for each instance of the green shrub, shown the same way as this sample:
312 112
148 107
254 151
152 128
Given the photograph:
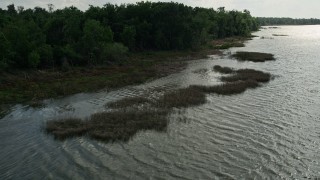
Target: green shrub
114 52
33 59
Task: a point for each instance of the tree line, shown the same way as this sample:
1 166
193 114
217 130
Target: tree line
46 38
269 21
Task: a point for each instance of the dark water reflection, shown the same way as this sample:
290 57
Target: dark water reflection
269 132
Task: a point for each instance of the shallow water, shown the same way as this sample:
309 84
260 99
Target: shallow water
270 132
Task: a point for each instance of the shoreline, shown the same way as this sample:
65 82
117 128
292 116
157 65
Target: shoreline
31 87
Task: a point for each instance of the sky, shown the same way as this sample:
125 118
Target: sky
258 8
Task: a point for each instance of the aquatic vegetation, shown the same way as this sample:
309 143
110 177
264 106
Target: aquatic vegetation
124 123
182 98
242 74
223 70
66 128
110 126
237 82
134 114
253 56
279 35
121 125
247 74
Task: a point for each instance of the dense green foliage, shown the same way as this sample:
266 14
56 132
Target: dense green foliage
267 21
40 38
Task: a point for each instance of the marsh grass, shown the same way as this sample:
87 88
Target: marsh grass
66 128
242 74
128 118
223 70
253 56
123 124
112 126
247 74
237 82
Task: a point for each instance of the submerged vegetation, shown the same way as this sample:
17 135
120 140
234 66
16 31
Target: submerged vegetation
133 114
253 56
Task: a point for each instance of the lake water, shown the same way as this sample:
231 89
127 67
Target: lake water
272 132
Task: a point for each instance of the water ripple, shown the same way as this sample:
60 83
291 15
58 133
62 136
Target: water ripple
267 133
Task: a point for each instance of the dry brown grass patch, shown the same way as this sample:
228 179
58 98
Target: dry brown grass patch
182 98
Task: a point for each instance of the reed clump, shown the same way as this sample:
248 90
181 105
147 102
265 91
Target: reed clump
121 125
253 56
133 114
118 125
223 70
66 128
247 75
182 98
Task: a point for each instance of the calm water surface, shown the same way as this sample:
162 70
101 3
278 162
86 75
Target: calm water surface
272 132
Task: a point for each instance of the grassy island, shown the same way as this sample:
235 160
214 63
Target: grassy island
133 114
253 56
